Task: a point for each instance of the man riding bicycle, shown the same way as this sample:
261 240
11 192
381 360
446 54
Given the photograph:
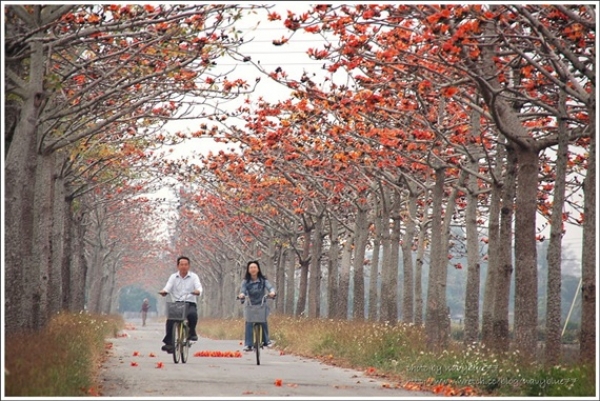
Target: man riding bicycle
184 286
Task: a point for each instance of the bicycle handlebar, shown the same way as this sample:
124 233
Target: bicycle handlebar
242 300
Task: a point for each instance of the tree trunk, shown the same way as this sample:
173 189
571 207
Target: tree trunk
526 302
421 247
587 339
360 245
374 282
505 262
332 268
281 290
304 262
393 272
491 280
42 245
66 256
471 333
506 117
554 255
444 321
77 263
434 314
407 258
290 290
19 175
473 267
60 238
314 289
344 282
387 292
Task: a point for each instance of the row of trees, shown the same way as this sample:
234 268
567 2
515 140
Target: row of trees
87 92
453 116
481 117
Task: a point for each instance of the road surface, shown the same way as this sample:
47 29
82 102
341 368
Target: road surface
136 367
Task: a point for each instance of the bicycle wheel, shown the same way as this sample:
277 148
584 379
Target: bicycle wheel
176 342
185 344
257 341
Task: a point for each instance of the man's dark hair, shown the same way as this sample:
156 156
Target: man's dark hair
182 257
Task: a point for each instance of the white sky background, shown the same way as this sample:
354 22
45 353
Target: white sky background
291 57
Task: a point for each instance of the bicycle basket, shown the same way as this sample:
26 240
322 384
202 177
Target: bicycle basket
176 310
256 313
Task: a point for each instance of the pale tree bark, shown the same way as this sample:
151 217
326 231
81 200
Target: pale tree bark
444 318
553 297
77 263
109 296
332 268
98 258
587 339
341 303
19 174
392 277
270 255
526 300
280 278
493 241
389 308
500 326
422 245
506 117
60 236
215 285
290 291
374 273
42 245
435 310
471 333
304 263
408 240
360 244
314 288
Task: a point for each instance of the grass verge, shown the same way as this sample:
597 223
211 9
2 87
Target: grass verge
397 354
62 359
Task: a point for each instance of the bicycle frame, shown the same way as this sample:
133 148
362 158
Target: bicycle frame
179 335
257 335
257 331
180 341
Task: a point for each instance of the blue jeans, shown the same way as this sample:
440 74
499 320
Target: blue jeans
248 334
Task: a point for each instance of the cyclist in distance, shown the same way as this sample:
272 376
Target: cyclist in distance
254 285
184 286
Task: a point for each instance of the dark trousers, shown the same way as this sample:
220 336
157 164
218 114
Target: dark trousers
192 317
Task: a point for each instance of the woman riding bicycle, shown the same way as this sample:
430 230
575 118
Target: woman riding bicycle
254 285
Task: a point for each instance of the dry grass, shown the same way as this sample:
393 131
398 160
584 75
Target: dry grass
398 353
60 360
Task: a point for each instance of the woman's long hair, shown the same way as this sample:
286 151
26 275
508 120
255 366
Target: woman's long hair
247 277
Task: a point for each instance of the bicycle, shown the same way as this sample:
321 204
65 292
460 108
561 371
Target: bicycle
256 314
178 311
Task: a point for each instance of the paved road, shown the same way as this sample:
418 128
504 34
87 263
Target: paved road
138 368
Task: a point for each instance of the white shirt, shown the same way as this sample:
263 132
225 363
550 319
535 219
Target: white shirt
180 288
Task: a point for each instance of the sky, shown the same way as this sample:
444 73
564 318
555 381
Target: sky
291 57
